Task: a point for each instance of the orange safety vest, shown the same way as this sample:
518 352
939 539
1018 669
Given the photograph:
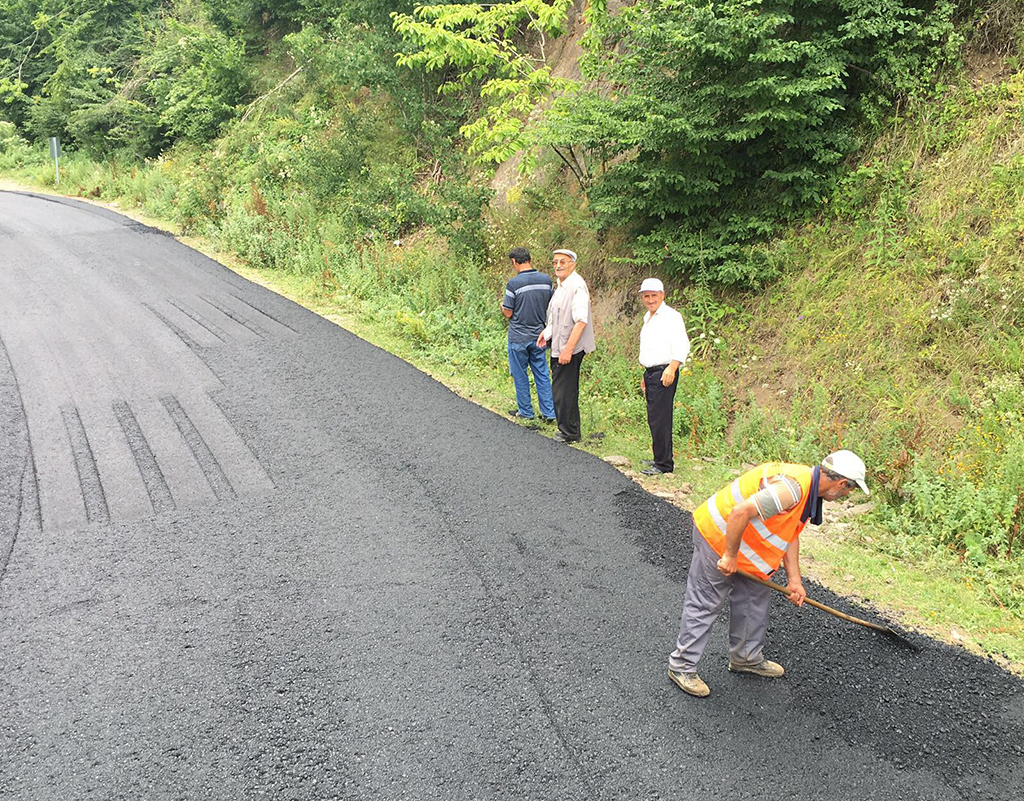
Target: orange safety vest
764 542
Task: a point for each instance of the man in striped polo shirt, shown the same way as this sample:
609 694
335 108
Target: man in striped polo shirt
525 305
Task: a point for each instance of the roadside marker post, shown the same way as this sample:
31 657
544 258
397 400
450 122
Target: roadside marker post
55 155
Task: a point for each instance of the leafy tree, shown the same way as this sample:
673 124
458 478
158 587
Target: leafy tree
87 49
715 121
197 76
483 47
21 40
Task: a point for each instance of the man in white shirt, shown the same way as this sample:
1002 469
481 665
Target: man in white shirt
664 348
570 331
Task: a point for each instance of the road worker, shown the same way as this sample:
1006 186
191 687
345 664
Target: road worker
752 525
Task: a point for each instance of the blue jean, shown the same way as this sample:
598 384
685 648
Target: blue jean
521 355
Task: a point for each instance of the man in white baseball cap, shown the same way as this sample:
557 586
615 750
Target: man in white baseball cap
664 348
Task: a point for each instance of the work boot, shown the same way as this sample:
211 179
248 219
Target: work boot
766 668
689 683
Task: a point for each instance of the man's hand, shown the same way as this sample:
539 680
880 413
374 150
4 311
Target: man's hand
541 342
797 593
668 375
643 386
727 565
565 356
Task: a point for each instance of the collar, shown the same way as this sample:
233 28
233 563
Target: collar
812 512
570 277
658 311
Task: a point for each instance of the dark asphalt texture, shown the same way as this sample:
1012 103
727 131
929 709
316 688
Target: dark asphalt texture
247 555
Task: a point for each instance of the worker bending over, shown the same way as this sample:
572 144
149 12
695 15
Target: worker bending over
752 525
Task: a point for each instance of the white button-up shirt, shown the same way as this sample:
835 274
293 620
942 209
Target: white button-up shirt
663 338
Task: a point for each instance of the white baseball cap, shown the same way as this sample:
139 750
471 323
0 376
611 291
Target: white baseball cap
848 465
652 285
568 253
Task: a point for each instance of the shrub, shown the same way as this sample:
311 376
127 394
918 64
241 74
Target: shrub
14 150
701 415
198 75
972 499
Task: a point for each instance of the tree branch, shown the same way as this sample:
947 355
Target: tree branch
572 167
258 100
23 60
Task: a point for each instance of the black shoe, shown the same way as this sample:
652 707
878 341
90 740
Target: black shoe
514 414
551 420
562 438
653 471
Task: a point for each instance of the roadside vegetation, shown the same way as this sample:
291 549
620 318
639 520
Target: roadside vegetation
862 289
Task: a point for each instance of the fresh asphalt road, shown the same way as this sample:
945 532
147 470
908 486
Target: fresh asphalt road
244 554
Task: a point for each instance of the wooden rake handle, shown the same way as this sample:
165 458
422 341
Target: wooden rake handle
785 591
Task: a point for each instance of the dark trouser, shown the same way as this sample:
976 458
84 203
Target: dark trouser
659 416
565 387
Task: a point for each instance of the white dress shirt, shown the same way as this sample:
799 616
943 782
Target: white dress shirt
663 338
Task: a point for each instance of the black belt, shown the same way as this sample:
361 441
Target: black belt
657 368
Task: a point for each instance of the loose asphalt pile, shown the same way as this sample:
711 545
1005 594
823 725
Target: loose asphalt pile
244 554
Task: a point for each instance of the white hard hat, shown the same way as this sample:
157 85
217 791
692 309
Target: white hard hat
848 465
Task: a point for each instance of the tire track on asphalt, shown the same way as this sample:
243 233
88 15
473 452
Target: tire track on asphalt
93 496
152 476
179 332
266 314
199 319
503 620
238 318
208 463
16 484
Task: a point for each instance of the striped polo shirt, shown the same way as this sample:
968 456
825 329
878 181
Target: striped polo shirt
527 295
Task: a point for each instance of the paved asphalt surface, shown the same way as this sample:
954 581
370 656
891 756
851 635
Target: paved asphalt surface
244 554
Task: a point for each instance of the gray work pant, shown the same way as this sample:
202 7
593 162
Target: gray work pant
707 590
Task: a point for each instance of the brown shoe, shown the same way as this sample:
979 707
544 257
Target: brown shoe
766 668
690 683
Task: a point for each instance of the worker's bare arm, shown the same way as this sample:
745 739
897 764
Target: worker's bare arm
795 585
737 522
506 311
